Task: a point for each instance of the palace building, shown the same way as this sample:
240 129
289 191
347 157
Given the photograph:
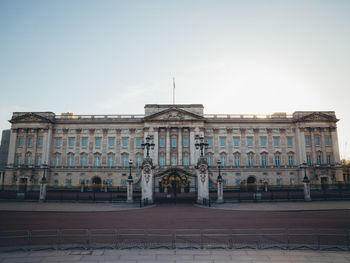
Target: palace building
96 149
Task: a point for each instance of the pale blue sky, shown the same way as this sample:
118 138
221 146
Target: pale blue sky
91 57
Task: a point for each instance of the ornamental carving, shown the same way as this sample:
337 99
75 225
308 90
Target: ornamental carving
147 173
203 172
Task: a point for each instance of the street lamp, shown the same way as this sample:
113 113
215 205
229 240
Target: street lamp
219 176
201 145
305 179
147 145
45 166
130 177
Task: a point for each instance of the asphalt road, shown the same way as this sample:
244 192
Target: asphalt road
180 216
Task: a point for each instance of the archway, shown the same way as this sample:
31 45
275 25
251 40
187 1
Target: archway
174 185
251 183
96 183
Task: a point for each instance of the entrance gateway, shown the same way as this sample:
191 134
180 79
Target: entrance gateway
175 185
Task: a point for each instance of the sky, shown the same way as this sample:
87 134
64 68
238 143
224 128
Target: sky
113 57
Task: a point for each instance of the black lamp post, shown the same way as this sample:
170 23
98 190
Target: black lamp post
148 145
219 176
305 179
201 145
45 166
130 177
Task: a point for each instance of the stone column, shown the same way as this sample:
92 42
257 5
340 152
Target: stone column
156 146
129 190
12 147
43 184
220 198
335 145
179 147
300 136
192 147
307 194
147 181
202 181
47 141
167 144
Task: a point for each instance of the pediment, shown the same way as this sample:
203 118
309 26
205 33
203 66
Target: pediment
174 114
318 116
29 117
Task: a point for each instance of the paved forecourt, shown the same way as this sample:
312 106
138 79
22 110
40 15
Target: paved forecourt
177 256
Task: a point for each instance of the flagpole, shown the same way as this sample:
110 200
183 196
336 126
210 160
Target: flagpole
173 90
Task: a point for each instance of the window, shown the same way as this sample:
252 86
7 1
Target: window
173 160
40 142
222 142
30 142
237 161
326 141
328 159
82 174
38 160
276 142
82 181
278 181
71 142
186 161
161 161
110 161
236 142
83 161
290 160
289 142
70 160
263 160
173 142
263 142
125 161
185 142
250 141
20 142
277 160
97 161
209 142
162 142
125 142
223 161
209 161
58 142
98 142
138 161
84 142
57 161
29 160
111 142
238 182
308 159
55 182
307 141
250 160
319 159
69 181
317 141
138 142
19 160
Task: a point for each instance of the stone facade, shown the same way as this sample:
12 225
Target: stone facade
97 148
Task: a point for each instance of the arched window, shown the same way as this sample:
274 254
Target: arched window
83 161
237 160
277 160
223 160
70 160
264 159
250 159
97 160
57 160
110 160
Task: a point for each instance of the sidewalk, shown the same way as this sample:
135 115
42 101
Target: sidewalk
177 256
105 207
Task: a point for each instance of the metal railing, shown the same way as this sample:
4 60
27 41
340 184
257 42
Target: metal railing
281 238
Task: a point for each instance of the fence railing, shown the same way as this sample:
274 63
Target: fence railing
282 238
